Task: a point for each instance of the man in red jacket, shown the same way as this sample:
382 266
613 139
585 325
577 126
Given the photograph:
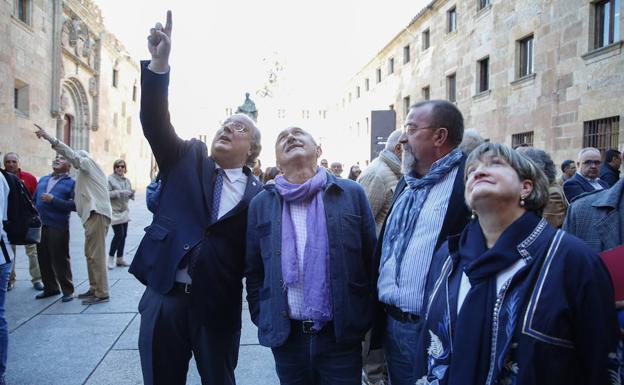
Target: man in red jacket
11 164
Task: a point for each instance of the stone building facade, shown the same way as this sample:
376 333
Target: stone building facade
61 69
549 73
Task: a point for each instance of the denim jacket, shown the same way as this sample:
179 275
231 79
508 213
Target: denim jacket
351 239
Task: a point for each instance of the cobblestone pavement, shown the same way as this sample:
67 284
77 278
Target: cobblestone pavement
51 342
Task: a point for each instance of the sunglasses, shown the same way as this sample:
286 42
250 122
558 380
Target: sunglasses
120 166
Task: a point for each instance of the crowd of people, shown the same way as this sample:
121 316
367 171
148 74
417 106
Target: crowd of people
447 260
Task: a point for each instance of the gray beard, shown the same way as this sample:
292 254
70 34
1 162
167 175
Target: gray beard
408 162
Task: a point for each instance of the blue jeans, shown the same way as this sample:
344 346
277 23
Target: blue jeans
400 346
317 359
5 271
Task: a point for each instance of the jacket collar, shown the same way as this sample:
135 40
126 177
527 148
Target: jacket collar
610 198
391 162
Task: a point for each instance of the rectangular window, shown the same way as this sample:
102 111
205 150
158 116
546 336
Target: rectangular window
21 98
115 78
123 108
390 66
134 93
483 75
357 91
129 125
451 20
406 105
525 56
367 84
425 39
426 93
378 75
606 22
602 134
522 139
22 10
406 54
483 4
115 119
349 97
451 90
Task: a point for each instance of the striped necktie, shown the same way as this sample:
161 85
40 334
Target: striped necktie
216 195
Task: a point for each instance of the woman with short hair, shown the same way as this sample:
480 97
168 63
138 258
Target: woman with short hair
120 192
516 301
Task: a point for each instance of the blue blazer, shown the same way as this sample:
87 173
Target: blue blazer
578 185
351 232
183 218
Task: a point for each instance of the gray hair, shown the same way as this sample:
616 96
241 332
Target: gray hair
256 146
470 141
586 150
393 140
524 167
10 153
541 160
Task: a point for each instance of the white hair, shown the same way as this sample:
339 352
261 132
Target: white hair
393 140
587 150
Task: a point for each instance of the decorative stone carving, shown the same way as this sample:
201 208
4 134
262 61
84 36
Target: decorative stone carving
73 32
93 86
248 108
87 47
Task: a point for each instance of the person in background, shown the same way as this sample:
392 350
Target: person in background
54 199
516 301
6 256
94 208
12 165
568 169
354 172
470 141
610 168
586 178
336 169
269 175
557 206
257 170
120 192
324 164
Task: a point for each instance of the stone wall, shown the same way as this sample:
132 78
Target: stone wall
571 83
65 56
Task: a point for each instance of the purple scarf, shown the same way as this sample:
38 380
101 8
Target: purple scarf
316 291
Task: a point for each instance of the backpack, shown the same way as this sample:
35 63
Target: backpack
23 223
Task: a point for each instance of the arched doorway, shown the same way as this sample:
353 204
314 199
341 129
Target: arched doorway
76 118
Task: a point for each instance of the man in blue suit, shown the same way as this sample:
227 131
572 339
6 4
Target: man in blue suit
192 256
586 178
309 267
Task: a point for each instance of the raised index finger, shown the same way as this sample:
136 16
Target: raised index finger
168 24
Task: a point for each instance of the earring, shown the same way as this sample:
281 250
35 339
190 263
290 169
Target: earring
521 201
474 215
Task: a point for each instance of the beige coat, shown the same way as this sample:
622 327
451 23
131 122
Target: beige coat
91 191
120 192
379 180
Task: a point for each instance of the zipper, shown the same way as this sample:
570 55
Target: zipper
497 306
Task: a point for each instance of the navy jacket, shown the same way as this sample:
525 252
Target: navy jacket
578 185
609 175
183 218
56 213
351 232
457 215
554 323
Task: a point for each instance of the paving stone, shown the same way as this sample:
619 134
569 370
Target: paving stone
61 349
130 338
124 297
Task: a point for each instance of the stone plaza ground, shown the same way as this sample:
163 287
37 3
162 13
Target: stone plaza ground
54 343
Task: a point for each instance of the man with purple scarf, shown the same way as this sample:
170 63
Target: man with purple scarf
310 284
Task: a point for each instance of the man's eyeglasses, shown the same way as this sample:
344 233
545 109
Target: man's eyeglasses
236 127
410 128
590 162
